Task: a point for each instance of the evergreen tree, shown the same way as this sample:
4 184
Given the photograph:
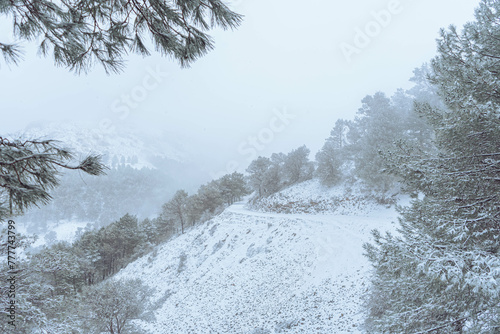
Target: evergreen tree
117 243
232 187
112 305
274 178
175 209
210 197
27 311
424 90
81 33
256 171
194 209
268 176
332 155
89 248
441 274
150 231
61 267
297 167
380 125
125 235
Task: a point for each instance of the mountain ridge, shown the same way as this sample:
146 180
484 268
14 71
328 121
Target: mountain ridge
124 146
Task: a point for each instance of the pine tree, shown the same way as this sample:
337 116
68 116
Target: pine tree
333 155
149 230
441 273
274 178
256 171
194 209
379 126
176 209
232 187
80 33
112 305
297 167
210 197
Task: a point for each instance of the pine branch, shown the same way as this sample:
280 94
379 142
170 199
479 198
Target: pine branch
81 33
11 53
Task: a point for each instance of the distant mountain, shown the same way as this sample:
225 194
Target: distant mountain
145 171
125 147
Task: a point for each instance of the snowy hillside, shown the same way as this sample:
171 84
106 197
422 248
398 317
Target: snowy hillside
254 272
133 149
312 197
52 232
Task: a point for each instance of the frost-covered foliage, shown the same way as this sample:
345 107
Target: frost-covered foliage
211 198
443 273
331 157
49 283
313 197
26 312
112 305
268 176
353 150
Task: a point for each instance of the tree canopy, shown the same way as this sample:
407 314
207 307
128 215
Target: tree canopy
267 176
80 33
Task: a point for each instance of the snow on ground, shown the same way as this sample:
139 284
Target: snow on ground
255 272
67 230
312 197
108 143
61 231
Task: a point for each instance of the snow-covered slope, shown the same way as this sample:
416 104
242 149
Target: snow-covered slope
312 197
53 232
134 149
253 272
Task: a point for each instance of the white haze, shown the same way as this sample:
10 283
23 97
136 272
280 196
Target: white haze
286 58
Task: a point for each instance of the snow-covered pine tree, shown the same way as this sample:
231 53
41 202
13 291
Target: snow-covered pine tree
112 305
441 274
175 209
297 167
256 174
378 124
232 187
274 179
332 155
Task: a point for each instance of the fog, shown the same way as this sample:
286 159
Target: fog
278 82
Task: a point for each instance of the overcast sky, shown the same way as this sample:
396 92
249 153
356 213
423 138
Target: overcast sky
280 81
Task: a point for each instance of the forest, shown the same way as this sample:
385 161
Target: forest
437 142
